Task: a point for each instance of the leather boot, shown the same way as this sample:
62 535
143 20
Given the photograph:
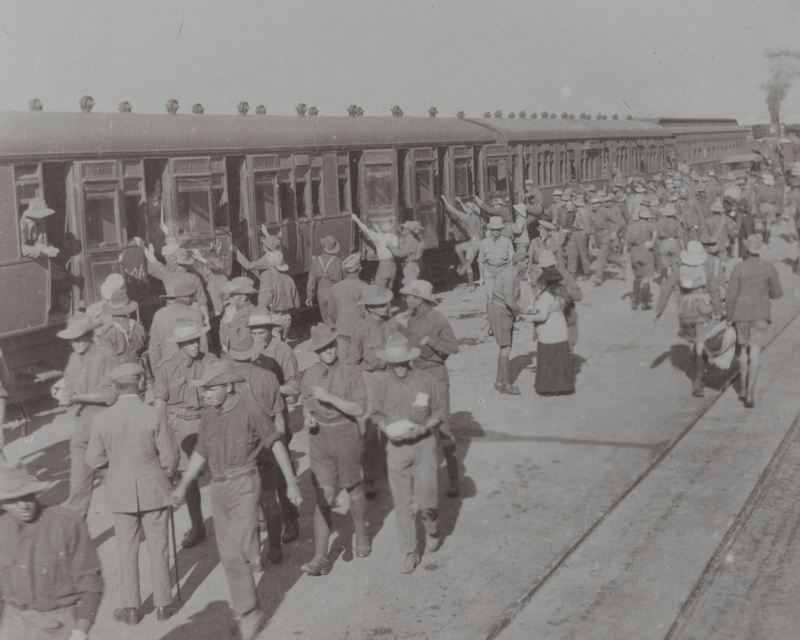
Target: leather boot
197 533
637 293
645 296
319 565
453 488
358 511
699 372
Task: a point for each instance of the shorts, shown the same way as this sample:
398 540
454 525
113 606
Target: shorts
502 323
471 249
752 333
643 262
767 211
335 455
695 329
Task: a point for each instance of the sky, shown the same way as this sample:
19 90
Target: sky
678 58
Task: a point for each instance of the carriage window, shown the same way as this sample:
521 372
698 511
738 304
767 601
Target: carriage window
497 174
286 196
379 186
344 190
266 210
316 191
301 182
220 209
425 188
544 168
194 206
101 206
464 185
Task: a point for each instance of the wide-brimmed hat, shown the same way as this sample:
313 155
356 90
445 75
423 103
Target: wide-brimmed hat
419 289
37 208
184 257
261 317
520 209
15 483
218 372
717 207
755 244
78 325
547 225
644 213
496 222
187 330
120 304
240 286
277 261
694 255
321 336
352 263
413 226
374 295
112 283
557 192
497 202
271 243
669 211
639 188
127 370
398 350
547 259
734 193
329 245
241 345
566 197
180 288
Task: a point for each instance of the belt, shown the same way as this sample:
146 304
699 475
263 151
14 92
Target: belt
334 424
403 443
186 415
232 474
281 313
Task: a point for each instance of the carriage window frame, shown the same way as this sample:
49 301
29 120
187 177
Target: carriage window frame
101 191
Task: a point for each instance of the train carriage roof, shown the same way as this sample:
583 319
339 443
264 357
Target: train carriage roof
521 130
81 135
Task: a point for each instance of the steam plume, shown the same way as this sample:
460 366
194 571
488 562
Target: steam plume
784 68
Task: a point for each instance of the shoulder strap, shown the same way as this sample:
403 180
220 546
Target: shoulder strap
325 266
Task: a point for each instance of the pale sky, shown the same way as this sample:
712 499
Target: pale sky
699 58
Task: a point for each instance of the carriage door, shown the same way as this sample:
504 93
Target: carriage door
336 204
459 182
496 179
378 189
423 175
107 247
199 213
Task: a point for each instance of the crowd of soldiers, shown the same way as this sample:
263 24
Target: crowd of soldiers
211 382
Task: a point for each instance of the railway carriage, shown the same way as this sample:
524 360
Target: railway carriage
216 181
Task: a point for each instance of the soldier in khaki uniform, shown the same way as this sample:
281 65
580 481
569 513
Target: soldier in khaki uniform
181 401
140 449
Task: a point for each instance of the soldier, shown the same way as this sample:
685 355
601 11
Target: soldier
123 335
262 387
344 308
239 307
325 272
409 408
279 358
670 240
521 237
51 581
470 223
752 284
176 258
232 432
582 227
138 446
382 236
604 225
212 271
86 390
34 236
746 223
503 312
430 332
334 396
494 255
180 294
699 305
180 400
278 292
769 198
368 338
640 238
410 250
722 229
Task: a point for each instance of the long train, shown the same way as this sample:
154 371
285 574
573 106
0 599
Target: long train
215 180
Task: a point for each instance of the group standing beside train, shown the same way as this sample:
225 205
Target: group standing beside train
211 383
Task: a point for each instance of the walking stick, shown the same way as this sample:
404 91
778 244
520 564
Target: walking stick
175 552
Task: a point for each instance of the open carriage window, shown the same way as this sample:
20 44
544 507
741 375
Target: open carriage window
193 206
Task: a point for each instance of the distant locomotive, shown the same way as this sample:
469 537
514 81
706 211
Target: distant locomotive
213 181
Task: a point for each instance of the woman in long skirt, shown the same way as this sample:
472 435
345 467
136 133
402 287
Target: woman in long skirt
555 371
